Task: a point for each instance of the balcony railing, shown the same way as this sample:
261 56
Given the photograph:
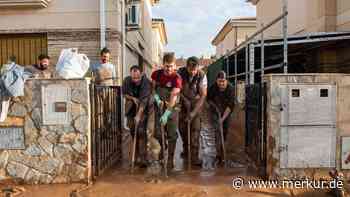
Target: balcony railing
24 3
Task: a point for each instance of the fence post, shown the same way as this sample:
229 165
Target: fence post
246 65
262 54
251 64
285 37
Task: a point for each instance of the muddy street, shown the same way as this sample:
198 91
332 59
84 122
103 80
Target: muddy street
119 183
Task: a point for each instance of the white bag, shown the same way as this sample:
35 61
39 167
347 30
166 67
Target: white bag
71 64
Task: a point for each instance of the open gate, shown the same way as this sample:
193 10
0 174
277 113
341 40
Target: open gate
106 127
255 124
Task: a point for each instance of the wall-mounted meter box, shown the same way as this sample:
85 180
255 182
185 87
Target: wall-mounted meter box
56 106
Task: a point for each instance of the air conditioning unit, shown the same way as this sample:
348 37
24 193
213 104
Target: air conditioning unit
134 15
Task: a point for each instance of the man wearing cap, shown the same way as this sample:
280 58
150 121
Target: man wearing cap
137 89
222 95
193 94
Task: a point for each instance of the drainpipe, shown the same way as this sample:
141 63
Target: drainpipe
102 24
123 45
123 41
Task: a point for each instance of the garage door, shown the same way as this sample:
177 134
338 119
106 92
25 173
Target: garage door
25 47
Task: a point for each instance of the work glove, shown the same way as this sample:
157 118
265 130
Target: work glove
137 119
191 115
157 99
165 117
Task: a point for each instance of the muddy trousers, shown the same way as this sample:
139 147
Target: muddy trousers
195 133
141 142
226 127
170 135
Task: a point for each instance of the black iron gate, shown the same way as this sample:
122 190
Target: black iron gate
106 127
255 123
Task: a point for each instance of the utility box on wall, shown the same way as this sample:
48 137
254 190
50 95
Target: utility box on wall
308 125
306 119
56 104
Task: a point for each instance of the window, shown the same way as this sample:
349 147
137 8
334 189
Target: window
295 93
324 93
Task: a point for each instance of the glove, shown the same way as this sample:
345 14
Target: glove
191 115
165 117
157 99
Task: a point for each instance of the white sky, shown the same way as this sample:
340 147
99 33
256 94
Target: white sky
192 24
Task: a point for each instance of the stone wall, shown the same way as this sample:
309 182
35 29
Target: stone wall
342 82
55 153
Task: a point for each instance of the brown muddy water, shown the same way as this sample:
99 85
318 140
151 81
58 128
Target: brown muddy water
120 183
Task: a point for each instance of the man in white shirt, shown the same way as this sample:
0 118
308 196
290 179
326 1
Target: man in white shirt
104 71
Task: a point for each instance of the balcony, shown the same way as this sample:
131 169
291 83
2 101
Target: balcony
24 3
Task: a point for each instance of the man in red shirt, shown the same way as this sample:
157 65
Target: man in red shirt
167 85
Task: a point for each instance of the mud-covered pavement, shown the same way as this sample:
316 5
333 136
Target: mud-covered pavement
120 183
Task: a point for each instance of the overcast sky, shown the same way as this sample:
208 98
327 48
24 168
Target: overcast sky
192 24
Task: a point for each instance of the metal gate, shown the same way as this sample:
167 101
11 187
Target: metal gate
255 123
106 127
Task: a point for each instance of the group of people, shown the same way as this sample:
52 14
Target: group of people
103 71
170 103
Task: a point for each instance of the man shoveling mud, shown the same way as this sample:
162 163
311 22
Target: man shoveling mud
193 94
221 96
166 87
137 90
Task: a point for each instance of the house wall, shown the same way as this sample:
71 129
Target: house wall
305 16
157 51
157 48
321 16
68 24
143 37
343 15
230 41
296 16
76 24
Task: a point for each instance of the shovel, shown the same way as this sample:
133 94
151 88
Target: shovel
221 130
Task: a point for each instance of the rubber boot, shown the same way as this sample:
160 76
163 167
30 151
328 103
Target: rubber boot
142 152
171 151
